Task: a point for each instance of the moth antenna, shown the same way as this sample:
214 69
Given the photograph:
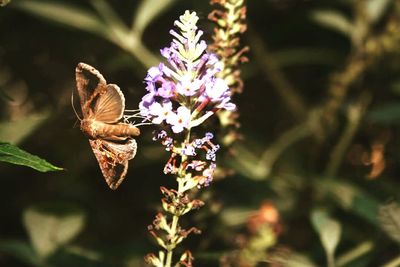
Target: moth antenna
142 123
76 122
73 107
132 110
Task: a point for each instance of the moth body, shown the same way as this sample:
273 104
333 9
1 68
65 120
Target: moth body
96 129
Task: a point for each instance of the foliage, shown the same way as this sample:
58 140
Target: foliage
12 154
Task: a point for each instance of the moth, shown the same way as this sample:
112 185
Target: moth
111 139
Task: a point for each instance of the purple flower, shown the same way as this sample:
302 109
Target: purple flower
197 143
168 143
166 52
152 74
189 150
180 119
217 90
144 105
159 135
225 104
212 153
187 87
169 168
208 136
187 81
208 175
167 71
160 111
167 89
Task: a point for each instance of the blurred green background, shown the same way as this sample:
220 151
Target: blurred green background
316 178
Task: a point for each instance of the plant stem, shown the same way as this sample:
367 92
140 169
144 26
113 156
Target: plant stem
354 116
393 263
175 218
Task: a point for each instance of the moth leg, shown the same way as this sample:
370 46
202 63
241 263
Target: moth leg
116 138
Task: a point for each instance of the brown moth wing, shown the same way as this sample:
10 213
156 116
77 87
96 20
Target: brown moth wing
113 159
110 105
89 83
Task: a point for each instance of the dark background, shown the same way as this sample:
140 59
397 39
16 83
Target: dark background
293 54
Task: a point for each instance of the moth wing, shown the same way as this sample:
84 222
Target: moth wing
110 105
113 159
89 83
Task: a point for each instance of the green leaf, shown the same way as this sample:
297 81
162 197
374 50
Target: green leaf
357 253
389 219
329 231
393 263
107 25
351 198
66 14
147 11
52 226
334 20
12 154
235 216
21 250
293 260
119 32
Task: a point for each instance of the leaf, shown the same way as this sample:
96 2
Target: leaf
357 253
70 256
12 154
329 231
65 14
393 263
78 18
334 20
376 8
389 219
84 253
51 226
147 11
292 260
235 216
21 250
351 198
120 32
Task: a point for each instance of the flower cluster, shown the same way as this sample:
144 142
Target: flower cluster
200 171
230 18
184 92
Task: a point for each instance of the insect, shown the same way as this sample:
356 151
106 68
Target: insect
103 107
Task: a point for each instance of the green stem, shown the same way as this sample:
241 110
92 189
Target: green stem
170 251
331 261
393 263
354 115
175 218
